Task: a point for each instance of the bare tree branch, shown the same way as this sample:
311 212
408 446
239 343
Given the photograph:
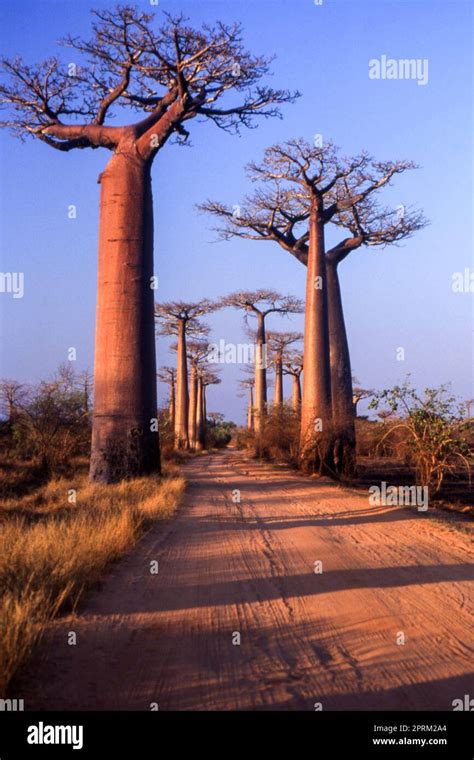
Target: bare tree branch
173 73
346 191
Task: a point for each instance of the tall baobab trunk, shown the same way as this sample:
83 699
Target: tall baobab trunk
296 393
172 404
260 375
278 394
193 382
182 398
316 409
250 420
341 377
204 415
199 414
124 439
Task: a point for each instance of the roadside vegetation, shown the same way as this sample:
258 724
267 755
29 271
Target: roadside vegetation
58 531
425 439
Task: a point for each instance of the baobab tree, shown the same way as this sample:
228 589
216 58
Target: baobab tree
208 378
259 304
278 342
205 378
197 352
167 74
12 395
358 394
200 421
303 188
167 375
293 366
182 319
248 384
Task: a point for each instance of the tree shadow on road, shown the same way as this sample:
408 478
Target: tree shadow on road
259 589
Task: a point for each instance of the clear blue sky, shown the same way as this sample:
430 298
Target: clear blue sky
393 297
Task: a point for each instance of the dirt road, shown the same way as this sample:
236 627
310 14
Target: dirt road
230 570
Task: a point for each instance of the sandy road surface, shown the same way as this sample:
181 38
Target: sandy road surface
226 567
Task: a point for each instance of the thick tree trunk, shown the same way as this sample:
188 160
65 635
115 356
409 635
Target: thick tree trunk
278 394
250 425
124 435
199 417
341 378
204 414
296 394
192 406
182 397
260 375
316 412
171 408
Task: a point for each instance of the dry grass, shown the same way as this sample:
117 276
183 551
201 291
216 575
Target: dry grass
51 550
279 440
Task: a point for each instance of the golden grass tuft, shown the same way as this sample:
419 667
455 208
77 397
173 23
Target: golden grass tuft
51 550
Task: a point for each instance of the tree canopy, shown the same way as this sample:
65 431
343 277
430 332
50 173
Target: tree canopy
166 73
